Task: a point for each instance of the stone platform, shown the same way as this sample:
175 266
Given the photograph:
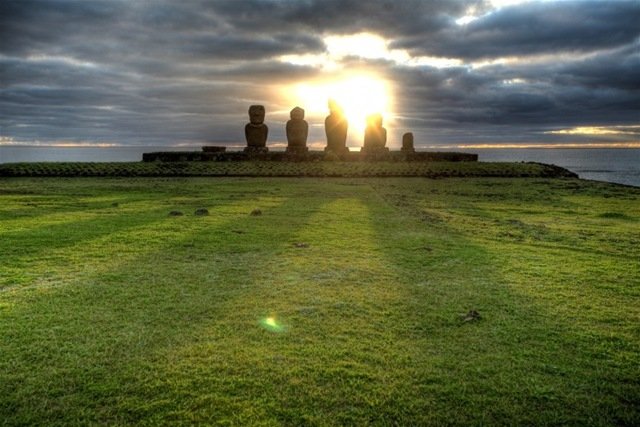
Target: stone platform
212 155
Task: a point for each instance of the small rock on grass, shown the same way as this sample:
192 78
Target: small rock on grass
175 213
256 212
201 212
471 316
301 245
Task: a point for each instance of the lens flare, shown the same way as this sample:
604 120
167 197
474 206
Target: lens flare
271 324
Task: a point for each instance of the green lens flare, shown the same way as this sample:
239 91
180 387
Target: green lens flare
271 324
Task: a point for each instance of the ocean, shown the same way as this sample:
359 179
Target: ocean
620 165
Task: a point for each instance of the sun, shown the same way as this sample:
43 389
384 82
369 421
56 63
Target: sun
358 95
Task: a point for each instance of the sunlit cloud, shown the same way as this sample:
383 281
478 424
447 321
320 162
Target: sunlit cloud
366 46
11 141
504 3
84 144
373 46
473 13
538 59
598 130
320 61
492 62
516 81
69 60
403 58
464 20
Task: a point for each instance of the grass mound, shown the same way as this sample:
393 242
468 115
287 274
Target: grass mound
284 169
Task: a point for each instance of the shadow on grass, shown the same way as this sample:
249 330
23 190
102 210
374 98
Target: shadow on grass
101 344
519 364
34 254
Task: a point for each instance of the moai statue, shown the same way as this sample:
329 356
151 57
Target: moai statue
375 136
407 143
256 131
336 126
297 132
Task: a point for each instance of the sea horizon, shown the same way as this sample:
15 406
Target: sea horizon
616 164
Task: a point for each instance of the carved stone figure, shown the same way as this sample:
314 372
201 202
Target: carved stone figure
297 132
256 131
375 136
336 126
407 143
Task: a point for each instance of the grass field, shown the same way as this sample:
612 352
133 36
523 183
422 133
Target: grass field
343 302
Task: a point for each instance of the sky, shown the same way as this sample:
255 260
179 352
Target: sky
454 72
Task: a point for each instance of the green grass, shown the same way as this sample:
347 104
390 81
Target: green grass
282 168
341 304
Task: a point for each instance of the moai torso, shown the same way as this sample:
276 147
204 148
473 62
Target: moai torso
297 129
375 136
256 131
336 127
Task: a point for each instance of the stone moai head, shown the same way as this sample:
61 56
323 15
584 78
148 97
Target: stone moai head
407 139
297 114
256 114
374 120
334 107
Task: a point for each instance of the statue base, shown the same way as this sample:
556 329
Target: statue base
341 151
256 150
333 154
377 153
297 150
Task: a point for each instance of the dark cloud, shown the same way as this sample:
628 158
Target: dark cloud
533 29
602 88
164 72
387 17
615 70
